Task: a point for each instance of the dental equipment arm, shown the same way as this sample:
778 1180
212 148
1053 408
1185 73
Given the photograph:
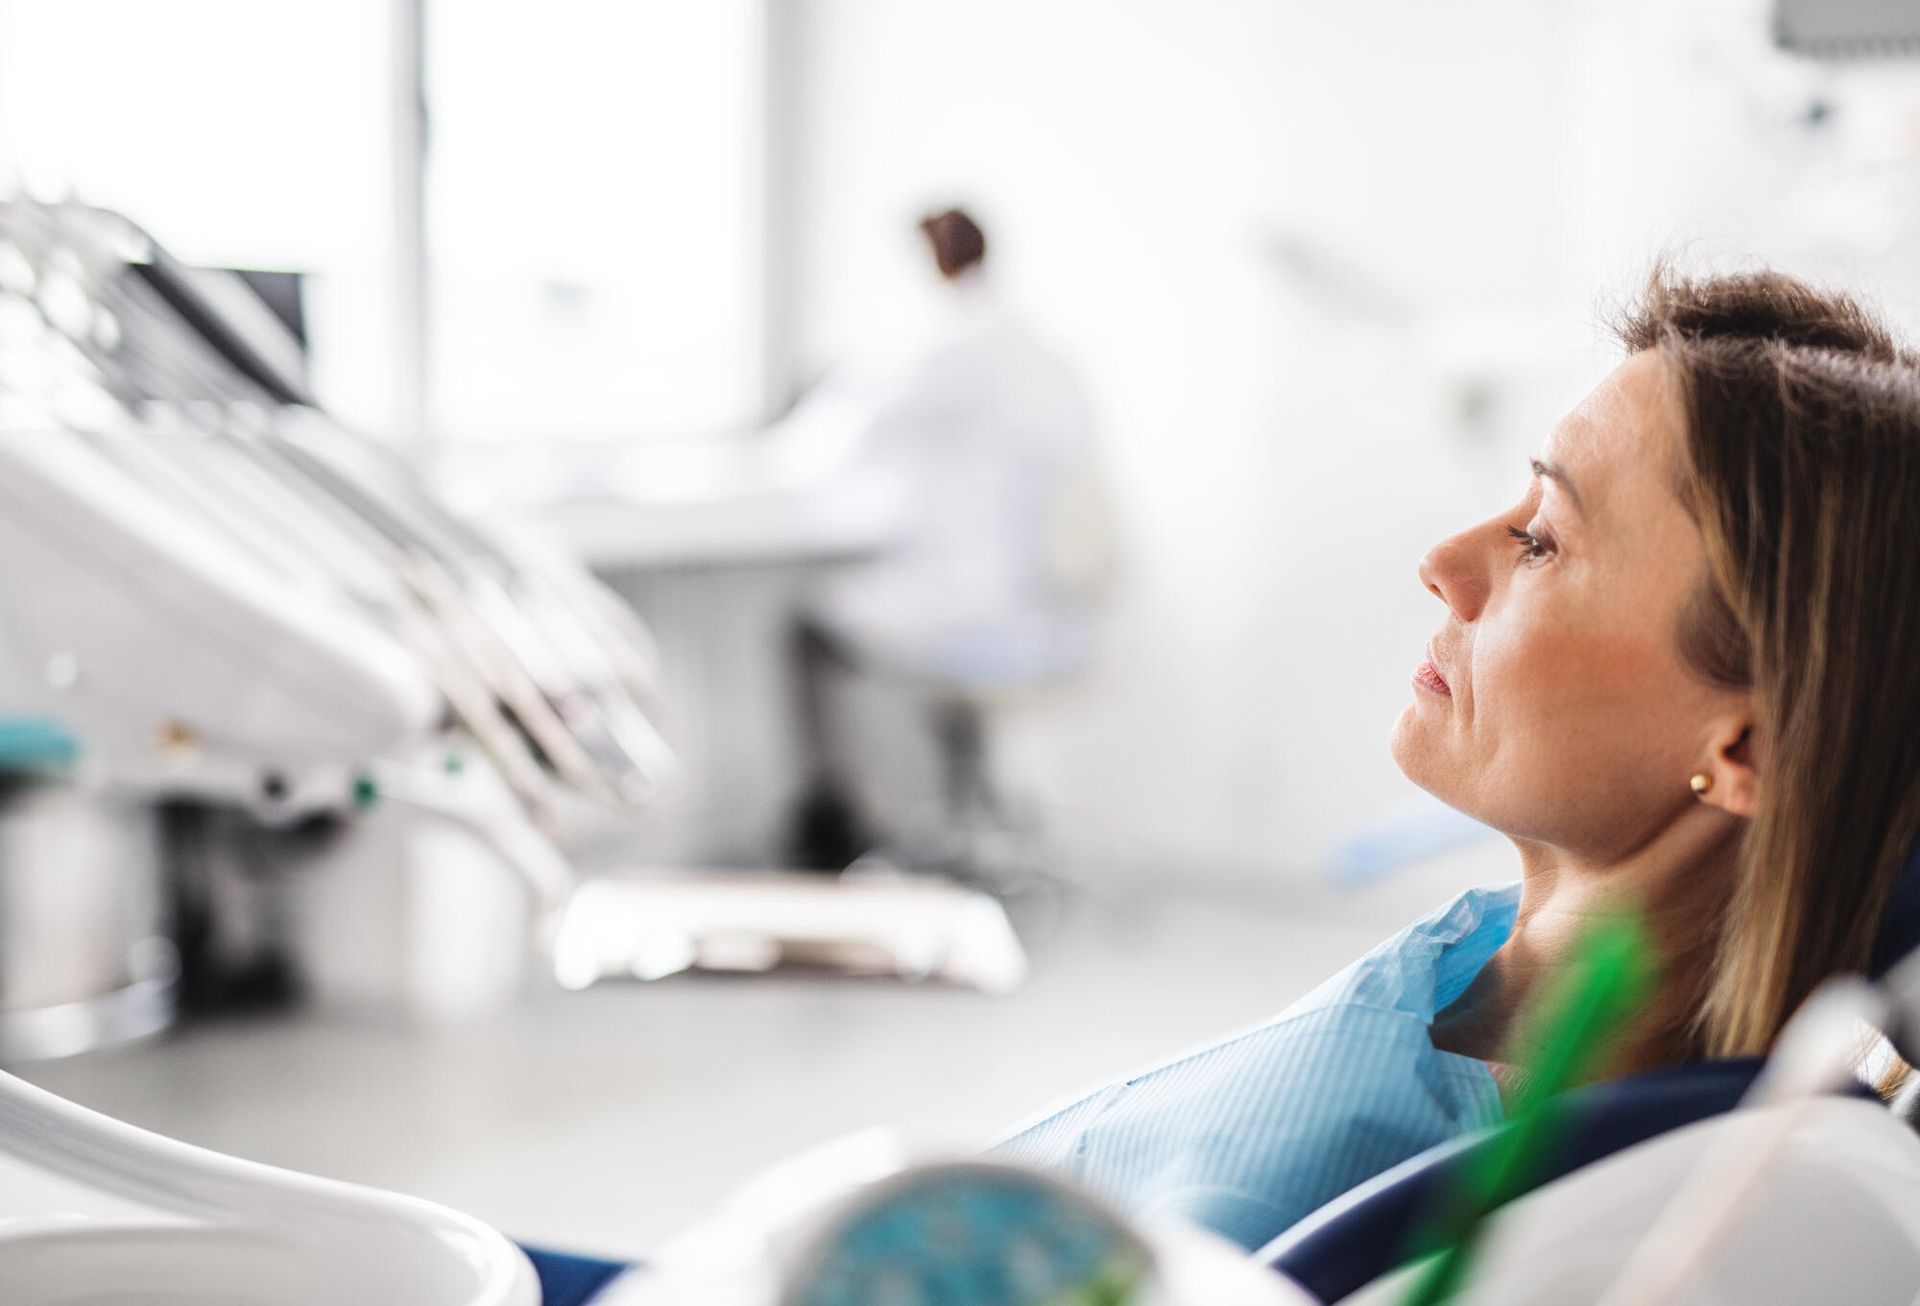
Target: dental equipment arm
149 634
228 598
217 421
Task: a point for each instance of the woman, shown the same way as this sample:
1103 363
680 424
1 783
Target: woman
1682 672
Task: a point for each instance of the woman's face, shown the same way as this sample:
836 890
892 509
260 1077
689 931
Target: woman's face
1553 703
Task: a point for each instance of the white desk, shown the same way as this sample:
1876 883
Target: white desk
719 501
829 522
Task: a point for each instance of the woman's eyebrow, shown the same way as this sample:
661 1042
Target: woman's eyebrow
1555 472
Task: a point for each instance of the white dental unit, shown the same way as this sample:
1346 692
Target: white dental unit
231 605
227 600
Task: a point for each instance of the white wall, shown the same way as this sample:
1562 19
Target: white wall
1470 186
1281 460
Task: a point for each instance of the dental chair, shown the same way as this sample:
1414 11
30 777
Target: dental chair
1623 1145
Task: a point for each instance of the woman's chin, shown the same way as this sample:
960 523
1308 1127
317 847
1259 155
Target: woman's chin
1412 747
1402 743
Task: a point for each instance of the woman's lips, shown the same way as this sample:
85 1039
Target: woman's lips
1428 677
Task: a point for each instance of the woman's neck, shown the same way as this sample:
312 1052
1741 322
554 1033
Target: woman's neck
1678 882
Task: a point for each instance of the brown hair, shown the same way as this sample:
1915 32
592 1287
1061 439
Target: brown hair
1803 469
958 243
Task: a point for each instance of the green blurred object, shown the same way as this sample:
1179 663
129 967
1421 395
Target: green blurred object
1564 1037
35 746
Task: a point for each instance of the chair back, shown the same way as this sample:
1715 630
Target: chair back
1899 935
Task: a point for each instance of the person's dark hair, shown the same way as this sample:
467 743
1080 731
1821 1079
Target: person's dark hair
1802 468
957 241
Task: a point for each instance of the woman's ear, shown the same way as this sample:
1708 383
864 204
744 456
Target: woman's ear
1732 769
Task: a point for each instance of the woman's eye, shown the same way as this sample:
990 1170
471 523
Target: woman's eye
1532 547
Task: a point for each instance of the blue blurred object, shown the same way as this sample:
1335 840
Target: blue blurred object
569 1280
36 745
969 1234
1412 834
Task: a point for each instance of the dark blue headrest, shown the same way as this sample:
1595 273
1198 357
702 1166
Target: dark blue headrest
1900 925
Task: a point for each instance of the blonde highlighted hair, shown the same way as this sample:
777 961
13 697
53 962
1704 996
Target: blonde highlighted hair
1802 467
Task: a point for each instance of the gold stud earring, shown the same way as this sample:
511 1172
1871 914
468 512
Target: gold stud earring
1701 784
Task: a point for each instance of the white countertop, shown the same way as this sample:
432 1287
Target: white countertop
716 502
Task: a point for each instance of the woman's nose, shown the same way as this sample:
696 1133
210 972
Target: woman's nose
1455 570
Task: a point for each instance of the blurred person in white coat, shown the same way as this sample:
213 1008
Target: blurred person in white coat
988 434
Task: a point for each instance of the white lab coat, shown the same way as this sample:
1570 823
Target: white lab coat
989 436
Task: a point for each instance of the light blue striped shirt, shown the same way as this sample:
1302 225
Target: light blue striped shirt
1256 1132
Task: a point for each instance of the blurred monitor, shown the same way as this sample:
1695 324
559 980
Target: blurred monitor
282 292
1848 29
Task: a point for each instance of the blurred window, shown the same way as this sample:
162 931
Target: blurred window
593 188
240 133
593 211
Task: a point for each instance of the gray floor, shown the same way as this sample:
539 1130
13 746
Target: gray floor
607 1119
